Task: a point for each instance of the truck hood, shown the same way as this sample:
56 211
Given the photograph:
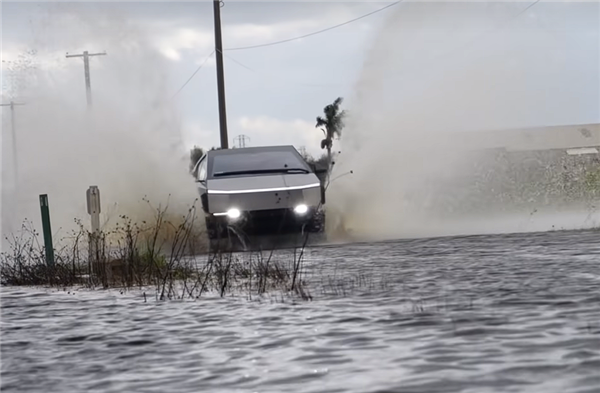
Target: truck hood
262 183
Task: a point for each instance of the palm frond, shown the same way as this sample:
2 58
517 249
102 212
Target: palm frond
321 122
331 123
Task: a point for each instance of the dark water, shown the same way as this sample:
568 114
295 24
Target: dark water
518 313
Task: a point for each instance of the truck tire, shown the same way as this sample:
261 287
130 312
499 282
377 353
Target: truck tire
317 222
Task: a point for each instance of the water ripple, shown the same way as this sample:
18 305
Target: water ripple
509 313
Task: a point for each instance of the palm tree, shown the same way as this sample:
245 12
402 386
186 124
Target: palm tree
195 155
331 125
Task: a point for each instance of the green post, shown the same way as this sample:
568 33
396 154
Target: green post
47 230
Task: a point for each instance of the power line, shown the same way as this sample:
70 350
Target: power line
284 41
239 63
195 72
435 61
315 32
257 72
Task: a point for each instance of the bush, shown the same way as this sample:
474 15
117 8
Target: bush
162 255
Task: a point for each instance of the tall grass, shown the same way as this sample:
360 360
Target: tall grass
169 254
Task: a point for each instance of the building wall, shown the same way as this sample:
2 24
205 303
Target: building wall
503 180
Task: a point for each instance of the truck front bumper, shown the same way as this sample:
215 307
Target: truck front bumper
266 222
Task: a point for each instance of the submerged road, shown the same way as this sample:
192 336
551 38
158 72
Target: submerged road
493 313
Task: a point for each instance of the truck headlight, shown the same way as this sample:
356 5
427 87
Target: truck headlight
301 209
233 213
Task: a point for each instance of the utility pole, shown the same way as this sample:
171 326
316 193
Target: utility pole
14 137
241 139
220 74
86 65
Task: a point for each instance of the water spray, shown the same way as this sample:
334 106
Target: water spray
124 146
86 67
415 131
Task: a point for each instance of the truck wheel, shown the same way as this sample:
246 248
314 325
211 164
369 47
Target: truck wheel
211 232
214 230
317 223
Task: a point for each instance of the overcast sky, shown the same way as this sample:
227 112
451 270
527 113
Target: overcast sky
273 93
416 67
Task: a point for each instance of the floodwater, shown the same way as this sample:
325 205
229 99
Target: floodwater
494 313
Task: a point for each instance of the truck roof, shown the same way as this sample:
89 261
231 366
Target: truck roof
256 149
256 158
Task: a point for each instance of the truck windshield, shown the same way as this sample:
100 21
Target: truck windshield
257 162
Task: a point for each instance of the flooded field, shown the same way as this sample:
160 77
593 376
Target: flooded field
493 313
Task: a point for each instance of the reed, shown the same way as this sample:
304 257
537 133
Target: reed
169 254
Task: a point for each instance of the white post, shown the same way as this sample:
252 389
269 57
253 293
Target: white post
93 209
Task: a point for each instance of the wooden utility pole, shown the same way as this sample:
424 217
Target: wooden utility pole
86 67
14 138
220 75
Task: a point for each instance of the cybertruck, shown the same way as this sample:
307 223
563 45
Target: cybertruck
258 191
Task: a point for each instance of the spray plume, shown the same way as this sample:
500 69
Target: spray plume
438 74
128 145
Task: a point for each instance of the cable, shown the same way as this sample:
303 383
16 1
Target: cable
528 7
252 70
237 62
322 31
195 72
435 61
284 41
315 32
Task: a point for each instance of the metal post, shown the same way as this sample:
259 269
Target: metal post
49 248
220 75
86 68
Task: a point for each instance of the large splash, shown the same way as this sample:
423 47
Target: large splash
128 145
436 76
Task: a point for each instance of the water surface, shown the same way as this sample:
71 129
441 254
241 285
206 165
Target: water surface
497 313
